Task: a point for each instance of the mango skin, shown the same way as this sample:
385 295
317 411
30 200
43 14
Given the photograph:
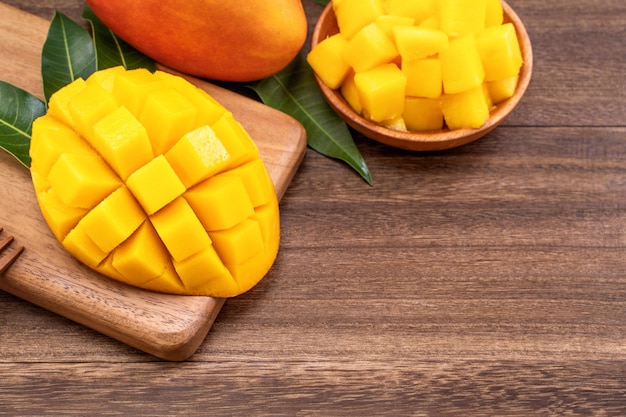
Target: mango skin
234 40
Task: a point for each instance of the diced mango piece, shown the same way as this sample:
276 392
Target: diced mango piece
58 107
423 77
381 91
326 60
461 66
431 23
460 17
142 255
82 180
103 224
206 271
351 94
88 107
258 184
397 123
238 244
60 217
353 15
180 230
54 139
105 78
122 141
131 88
155 185
369 47
208 110
198 155
220 202
235 139
494 14
415 42
422 114
499 52
469 109
502 89
387 22
167 115
418 9
80 245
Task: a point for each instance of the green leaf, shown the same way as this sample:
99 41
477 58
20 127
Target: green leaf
324 2
18 110
111 51
295 92
67 54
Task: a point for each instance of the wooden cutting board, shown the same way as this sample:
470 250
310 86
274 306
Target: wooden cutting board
170 327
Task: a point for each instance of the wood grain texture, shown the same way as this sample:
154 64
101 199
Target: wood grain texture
488 280
170 327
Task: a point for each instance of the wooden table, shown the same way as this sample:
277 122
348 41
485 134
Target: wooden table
485 280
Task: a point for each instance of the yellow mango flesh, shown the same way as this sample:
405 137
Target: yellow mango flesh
155 185
449 51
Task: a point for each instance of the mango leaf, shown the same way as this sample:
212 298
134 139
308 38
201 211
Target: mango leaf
68 53
18 111
324 2
111 51
295 92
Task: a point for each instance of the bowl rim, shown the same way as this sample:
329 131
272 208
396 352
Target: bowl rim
433 140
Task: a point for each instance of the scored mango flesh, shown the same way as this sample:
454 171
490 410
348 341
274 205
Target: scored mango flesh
148 180
420 65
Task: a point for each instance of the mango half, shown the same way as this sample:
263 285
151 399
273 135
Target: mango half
148 180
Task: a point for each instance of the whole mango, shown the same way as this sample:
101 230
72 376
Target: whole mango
234 40
148 180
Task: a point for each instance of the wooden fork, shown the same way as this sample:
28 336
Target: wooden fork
7 259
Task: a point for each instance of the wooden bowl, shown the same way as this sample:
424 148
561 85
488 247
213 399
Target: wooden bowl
432 140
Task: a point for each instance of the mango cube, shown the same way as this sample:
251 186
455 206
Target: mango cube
58 107
122 141
105 78
131 88
418 10
494 14
167 115
422 114
351 94
326 60
369 48
499 52
461 66
88 107
229 244
469 109
205 271
423 77
142 255
256 181
82 180
388 21
155 185
197 155
415 42
180 230
207 200
381 92
500 90
353 15
60 217
208 110
105 227
235 139
460 17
